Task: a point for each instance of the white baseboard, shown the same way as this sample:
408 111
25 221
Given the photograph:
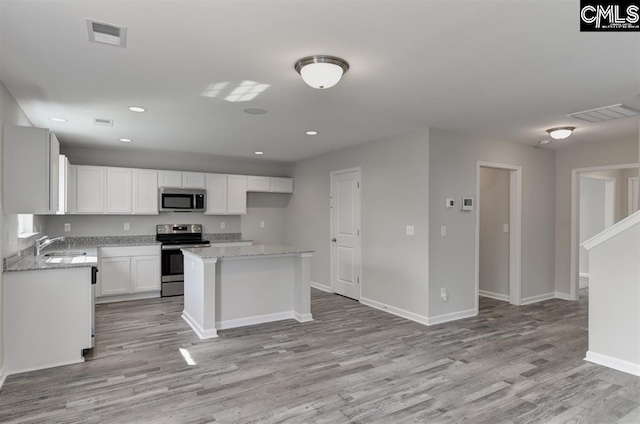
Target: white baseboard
302 317
257 319
492 295
615 363
127 297
202 333
538 298
584 275
453 316
563 296
3 376
44 367
395 311
321 287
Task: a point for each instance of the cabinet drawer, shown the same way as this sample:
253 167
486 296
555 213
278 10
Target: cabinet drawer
114 252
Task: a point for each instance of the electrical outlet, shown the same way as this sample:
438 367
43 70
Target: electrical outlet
67 227
505 228
450 203
126 226
223 225
261 224
443 231
443 294
410 230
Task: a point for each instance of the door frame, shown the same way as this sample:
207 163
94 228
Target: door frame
574 264
515 230
333 174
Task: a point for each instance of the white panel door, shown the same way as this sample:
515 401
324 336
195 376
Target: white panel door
345 233
90 189
115 276
193 180
145 273
118 190
216 194
145 192
170 179
236 195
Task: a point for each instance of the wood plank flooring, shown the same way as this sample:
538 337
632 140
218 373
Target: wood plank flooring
353 364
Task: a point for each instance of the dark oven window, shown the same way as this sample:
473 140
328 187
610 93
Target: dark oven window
172 262
177 201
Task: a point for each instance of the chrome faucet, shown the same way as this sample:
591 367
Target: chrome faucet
45 241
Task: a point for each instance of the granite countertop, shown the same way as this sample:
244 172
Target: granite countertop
245 251
27 261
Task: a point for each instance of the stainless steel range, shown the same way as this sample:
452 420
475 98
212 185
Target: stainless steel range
173 238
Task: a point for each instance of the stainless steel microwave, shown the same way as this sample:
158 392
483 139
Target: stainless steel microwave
181 199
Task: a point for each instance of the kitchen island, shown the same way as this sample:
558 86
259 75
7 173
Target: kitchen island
228 287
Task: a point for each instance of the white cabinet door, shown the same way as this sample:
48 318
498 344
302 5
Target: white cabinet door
281 185
216 194
237 195
115 276
145 273
118 190
63 195
145 192
90 182
193 180
54 173
72 177
259 184
170 179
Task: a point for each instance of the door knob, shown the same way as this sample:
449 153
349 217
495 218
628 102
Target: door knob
334 240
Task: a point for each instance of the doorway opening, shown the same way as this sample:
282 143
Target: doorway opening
346 268
613 185
498 232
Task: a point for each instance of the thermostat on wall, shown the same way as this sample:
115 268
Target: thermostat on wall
467 203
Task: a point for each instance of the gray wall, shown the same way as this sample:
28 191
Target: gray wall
494 242
608 152
592 214
268 207
452 173
394 194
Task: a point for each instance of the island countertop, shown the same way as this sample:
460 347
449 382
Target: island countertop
245 251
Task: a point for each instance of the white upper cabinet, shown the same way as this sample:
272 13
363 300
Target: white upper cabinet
269 184
118 191
236 195
145 192
63 183
193 180
216 194
30 165
90 189
170 179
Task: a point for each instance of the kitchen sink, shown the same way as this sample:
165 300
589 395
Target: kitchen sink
64 254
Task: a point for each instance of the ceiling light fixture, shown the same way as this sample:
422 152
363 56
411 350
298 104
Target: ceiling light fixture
137 109
58 119
258 153
311 133
321 71
126 140
560 133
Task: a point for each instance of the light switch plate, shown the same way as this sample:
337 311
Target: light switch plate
261 224
505 228
67 226
410 230
126 226
223 225
443 231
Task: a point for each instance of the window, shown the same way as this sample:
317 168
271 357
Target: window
25 226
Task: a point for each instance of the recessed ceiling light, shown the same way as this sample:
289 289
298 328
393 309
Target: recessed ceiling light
312 133
137 109
258 153
560 133
126 140
255 110
58 119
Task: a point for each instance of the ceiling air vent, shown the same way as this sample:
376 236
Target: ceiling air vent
99 32
103 122
606 113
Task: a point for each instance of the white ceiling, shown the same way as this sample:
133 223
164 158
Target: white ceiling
500 69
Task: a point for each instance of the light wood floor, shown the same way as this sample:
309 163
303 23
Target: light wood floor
353 364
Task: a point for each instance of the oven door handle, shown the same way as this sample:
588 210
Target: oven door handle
181 246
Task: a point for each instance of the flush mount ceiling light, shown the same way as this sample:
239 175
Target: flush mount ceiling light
321 71
58 119
137 109
560 133
311 133
126 140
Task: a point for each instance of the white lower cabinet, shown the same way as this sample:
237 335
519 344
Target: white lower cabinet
126 272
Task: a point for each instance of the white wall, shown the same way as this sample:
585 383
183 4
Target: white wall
453 161
592 214
394 194
10 113
494 242
580 156
269 207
